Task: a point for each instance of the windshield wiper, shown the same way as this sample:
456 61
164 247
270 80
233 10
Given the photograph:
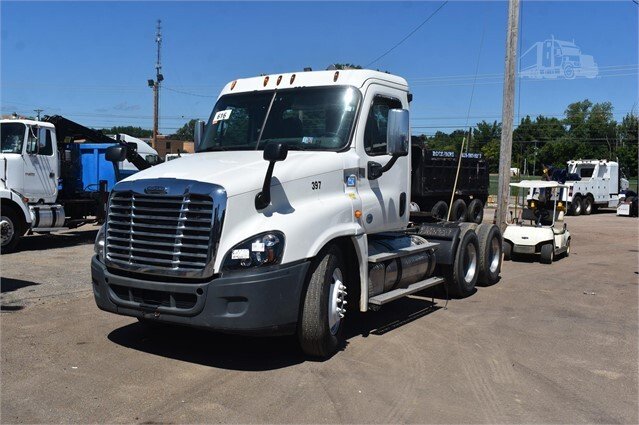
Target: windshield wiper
268 112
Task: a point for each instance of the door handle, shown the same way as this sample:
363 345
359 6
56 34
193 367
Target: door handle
52 174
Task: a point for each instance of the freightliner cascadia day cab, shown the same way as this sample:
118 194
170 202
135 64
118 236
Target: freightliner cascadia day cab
293 211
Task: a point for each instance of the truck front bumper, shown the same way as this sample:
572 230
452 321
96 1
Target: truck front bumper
259 301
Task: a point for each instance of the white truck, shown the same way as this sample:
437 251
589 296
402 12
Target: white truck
49 182
599 185
293 211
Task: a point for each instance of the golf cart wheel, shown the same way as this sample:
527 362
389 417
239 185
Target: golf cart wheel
490 249
462 277
547 253
567 252
324 305
458 210
475 211
575 205
508 250
440 210
586 205
11 229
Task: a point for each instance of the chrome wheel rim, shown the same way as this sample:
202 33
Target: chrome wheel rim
495 255
336 301
7 230
470 263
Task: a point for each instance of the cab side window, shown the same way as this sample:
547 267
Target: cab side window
45 143
376 124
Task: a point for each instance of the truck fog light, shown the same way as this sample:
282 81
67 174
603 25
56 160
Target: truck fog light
100 241
259 250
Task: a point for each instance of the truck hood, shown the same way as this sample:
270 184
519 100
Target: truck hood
242 171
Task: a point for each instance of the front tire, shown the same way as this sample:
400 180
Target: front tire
11 229
547 253
508 250
324 306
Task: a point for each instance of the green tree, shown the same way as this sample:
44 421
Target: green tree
185 132
628 145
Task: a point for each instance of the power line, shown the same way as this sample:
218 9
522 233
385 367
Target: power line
187 93
409 34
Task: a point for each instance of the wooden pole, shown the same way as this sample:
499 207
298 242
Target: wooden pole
505 153
452 196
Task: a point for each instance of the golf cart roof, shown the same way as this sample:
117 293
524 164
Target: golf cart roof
536 184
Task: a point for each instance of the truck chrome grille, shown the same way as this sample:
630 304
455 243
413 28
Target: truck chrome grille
173 235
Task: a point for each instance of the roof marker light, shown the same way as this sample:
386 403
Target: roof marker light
335 76
292 79
233 84
265 81
278 80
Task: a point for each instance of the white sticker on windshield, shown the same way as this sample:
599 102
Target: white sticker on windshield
222 115
240 254
307 140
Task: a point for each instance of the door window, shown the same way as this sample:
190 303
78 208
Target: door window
45 144
376 124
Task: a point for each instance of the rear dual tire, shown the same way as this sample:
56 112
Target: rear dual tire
490 253
462 276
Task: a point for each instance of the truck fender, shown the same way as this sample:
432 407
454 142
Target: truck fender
9 197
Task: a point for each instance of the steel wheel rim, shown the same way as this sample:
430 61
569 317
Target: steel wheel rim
336 301
7 230
470 263
495 255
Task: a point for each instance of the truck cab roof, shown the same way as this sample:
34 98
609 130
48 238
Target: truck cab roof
28 122
346 77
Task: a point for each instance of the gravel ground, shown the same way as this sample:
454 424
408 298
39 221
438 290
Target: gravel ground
547 344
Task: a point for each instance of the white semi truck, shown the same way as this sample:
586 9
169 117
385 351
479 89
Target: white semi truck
591 184
293 211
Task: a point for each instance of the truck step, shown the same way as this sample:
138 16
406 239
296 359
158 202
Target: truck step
402 252
402 292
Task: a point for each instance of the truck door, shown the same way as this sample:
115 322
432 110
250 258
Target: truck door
40 168
384 200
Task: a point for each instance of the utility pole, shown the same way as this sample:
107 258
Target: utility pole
37 111
505 153
155 85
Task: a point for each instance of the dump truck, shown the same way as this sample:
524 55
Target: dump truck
293 214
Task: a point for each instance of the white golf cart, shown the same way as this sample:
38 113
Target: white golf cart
535 229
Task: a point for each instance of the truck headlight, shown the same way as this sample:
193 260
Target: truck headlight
264 249
100 240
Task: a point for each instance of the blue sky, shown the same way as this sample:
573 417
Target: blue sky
90 61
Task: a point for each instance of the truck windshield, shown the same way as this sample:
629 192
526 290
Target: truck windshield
305 119
12 134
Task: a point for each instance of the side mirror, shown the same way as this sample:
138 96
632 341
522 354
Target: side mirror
33 147
274 152
198 132
115 153
397 132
